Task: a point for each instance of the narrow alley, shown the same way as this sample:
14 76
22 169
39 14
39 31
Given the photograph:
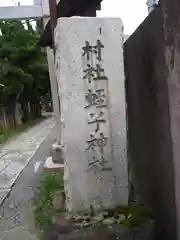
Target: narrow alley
21 165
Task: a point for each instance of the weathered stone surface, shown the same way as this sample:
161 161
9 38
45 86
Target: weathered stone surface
57 153
87 185
3 194
50 166
59 202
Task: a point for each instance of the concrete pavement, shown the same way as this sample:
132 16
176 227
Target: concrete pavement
16 154
17 220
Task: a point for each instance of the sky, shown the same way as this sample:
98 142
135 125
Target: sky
132 12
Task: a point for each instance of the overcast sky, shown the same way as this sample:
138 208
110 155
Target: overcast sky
132 12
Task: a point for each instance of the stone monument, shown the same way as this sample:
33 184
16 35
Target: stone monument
90 74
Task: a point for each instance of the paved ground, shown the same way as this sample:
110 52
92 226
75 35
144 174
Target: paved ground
25 157
17 153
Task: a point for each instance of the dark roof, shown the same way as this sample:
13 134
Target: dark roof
67 8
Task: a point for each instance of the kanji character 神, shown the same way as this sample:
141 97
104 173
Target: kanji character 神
99 142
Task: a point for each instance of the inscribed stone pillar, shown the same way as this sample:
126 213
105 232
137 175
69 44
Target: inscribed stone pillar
90 73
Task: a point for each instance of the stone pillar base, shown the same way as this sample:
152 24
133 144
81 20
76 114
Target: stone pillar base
57 153
51 167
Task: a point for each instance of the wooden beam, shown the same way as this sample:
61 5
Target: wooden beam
53 12
53 17
68 8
